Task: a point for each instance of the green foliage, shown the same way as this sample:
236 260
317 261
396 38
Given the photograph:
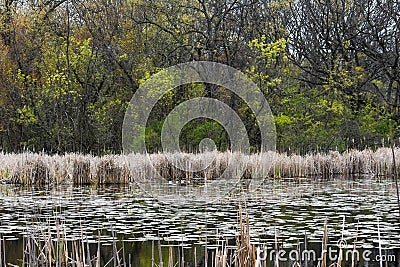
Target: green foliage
270 52
65 82
377 123
26 116
194 132
266 72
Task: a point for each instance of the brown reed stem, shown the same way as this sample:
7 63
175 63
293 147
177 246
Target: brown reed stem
324 245
395 173
98 252
152 253
170 258
1 251
160 254
276 250
353 260
195 257
341 243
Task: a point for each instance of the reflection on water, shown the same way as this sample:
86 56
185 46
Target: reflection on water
293 209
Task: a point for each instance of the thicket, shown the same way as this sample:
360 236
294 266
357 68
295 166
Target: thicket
68 68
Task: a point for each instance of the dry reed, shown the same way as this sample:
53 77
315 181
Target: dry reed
40 169
245 252
49 244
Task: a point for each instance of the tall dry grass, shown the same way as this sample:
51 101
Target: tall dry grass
39 169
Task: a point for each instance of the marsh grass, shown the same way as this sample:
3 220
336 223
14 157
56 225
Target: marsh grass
81 171
245 255
109 172
51 243
2 252
40 169
43 247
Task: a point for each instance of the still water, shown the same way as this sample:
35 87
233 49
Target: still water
281 212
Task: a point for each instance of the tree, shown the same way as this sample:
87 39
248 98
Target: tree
348 49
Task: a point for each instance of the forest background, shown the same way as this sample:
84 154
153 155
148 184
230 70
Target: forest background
329 69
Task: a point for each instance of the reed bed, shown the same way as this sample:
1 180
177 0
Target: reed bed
40 169
51 241
50 245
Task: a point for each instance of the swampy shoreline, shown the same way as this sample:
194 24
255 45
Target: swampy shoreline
78 169
95 215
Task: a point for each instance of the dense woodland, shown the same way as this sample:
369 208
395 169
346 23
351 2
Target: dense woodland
329 69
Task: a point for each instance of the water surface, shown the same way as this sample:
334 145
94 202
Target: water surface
289 209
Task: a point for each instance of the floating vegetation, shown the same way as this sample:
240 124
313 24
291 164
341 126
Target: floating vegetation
277 216
41 169
52 241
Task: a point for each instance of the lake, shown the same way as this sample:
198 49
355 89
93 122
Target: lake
287 214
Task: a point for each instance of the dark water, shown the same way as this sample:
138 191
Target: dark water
290 210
